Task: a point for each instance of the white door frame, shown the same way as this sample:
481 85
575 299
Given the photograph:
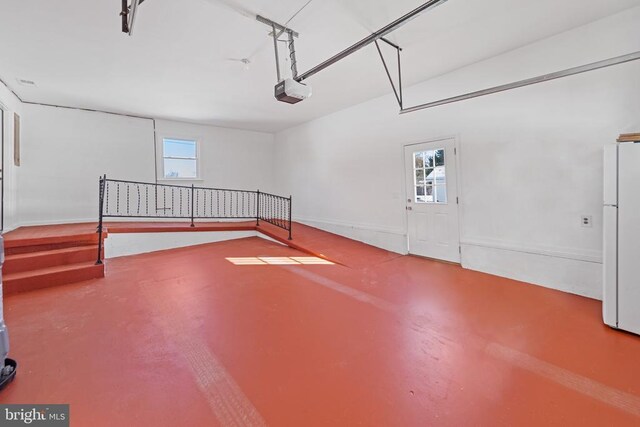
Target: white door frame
4 111
3 146
456 145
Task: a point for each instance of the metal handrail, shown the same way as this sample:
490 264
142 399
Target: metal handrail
136 199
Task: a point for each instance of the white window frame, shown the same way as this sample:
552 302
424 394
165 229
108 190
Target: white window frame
163 177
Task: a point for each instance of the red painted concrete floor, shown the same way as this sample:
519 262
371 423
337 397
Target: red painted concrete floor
184 337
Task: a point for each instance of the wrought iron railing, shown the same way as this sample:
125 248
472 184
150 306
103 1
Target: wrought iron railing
132 199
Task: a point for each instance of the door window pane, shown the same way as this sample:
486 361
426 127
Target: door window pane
429 194
428 159
441 194
419 195
429 176
430 171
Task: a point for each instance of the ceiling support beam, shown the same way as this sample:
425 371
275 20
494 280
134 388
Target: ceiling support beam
521 83
124 16
276 31
280 28
372 38
128 15
390 43
132 14
396 91
275 47
291 43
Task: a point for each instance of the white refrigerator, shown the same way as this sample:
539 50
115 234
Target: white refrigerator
621 252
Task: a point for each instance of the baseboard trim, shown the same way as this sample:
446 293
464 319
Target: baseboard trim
389 239
368 227
571 254
57 221
562 274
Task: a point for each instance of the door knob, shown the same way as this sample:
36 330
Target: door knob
409 208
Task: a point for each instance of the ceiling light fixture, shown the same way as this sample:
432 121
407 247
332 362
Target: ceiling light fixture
26 82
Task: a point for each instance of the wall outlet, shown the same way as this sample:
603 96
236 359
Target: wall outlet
586 221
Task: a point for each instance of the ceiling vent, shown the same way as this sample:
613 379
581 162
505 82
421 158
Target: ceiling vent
26 82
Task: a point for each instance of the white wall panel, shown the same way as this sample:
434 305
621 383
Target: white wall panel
530 159
10 104
64 151
124 244
229 158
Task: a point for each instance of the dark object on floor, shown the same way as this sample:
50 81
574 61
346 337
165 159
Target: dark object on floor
8 373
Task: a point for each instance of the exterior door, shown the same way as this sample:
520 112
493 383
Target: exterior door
432 200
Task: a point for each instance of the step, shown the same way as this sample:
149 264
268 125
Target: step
27 261
22 246
51 276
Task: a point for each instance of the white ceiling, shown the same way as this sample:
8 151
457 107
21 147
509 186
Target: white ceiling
176 65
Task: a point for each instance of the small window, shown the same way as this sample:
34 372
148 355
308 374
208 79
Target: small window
430 176
180 158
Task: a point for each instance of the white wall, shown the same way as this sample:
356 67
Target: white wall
229 158
64 151
530 158
10 105
125 244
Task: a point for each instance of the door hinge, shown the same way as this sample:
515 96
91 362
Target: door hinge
460 250
455 151
457 201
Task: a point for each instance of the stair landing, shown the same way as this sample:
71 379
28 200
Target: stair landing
44 256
